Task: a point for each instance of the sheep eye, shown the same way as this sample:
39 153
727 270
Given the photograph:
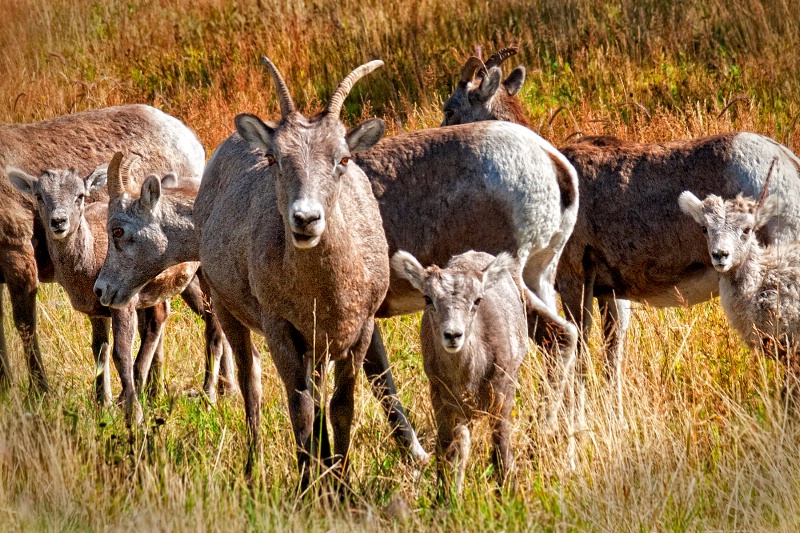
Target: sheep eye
117 232
271 159
428 301
344 161
80 198
448 113
746 231
477 302
705 229
39 198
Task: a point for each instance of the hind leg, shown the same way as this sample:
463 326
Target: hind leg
5 367
615 316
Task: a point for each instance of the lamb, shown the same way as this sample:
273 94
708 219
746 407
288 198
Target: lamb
474 338
759 287
147 235
77 244
630 241
83 141
291 245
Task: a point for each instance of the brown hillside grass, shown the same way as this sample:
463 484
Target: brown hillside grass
708 443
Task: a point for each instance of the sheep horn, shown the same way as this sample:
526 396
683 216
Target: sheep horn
287 104
115 187
498 57
478 51
765 192
343 89
471 67
125 171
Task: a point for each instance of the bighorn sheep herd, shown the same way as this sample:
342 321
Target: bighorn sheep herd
292 227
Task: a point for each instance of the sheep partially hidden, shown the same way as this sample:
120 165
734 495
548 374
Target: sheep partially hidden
76 239
291 242
759 287
474 337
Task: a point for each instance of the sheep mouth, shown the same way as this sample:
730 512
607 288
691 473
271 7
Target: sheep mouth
303 240
453 346
59 233
722 267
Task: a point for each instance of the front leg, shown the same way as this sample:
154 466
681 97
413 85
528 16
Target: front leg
502 451
148 367
376 367
101 349
123 325
452 443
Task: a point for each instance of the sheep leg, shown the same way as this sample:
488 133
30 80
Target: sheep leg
219 360
101 348
5 368
155 383
554 335
123 325
18 265
151 328
502 452
615 316
320 442
248 361
376 367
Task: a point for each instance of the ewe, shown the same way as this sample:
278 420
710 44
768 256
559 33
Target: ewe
474 338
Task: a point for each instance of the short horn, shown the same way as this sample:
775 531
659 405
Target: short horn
765 192
287 104
343 89
498 57
125 171
115 187
471 67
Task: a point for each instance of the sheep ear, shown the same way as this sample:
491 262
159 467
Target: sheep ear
254 130
489 84
769 209
151 193
691 205
97 179
515 80
406 266
169 180
24 182
365 135
495 270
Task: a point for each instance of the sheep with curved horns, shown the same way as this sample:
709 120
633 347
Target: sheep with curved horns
82 140
291 244
474 339
137 246
630 241
759 287
76 239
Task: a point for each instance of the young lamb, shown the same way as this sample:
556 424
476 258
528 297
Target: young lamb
76 239
474 337
759 287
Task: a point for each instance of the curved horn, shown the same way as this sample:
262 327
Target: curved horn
343 89
498 57
125 171
287 104
115 186
765 193
471 67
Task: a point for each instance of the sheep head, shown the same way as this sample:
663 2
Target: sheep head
452 296
309 157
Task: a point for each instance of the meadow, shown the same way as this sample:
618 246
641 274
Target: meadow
708 444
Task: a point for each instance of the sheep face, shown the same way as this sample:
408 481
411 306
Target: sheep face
452 296
474 98
60 195
729 225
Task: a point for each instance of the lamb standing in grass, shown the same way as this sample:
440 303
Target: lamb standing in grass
759 288
474 337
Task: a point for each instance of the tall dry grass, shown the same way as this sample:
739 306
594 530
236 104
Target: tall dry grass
708 444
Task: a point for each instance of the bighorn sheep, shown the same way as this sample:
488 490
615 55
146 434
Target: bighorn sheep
759 288
630 241
83 141
291 245
147 235
474 339
76 239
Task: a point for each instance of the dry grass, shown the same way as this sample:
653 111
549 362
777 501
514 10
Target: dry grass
708 444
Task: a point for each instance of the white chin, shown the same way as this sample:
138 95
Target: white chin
60 235
452 349
305 243
721 267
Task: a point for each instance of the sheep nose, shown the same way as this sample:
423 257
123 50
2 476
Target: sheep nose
719 255
305 218
453 336
58 223
98 292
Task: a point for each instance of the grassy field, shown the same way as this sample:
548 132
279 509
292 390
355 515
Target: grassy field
708 444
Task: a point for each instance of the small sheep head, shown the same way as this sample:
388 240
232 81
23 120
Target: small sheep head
309 157
136 241
60 195
452 296
729 225
474 95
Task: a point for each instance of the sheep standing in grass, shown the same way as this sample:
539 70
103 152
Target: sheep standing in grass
474 337
759 287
